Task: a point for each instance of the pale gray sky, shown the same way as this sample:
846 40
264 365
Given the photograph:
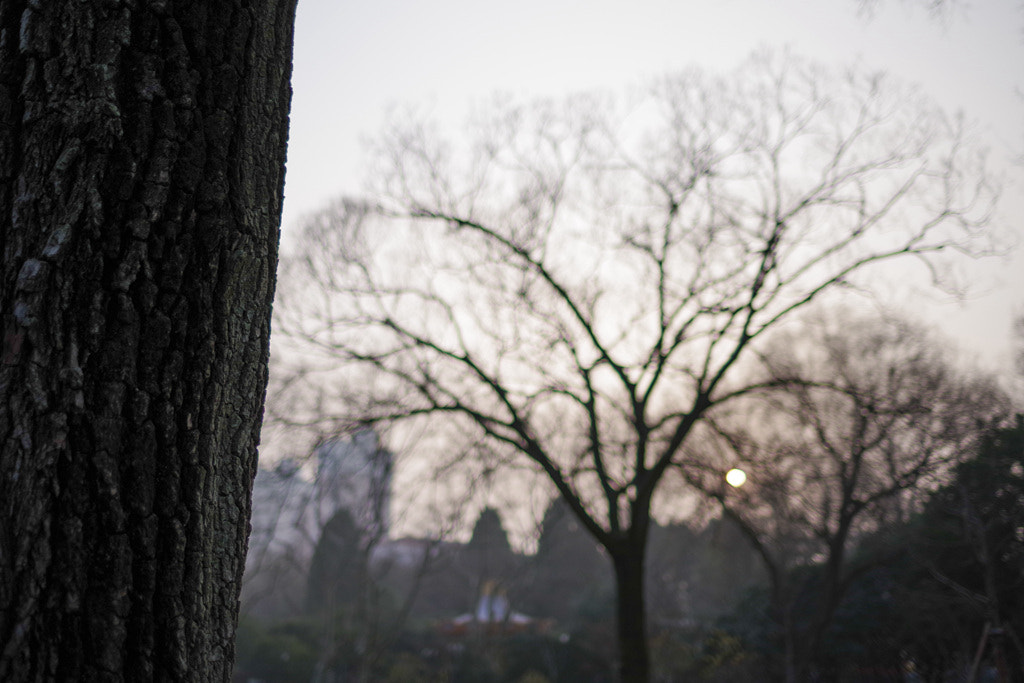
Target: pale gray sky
355 59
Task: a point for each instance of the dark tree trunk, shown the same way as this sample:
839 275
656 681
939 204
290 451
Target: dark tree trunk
142 148
804 644
628 560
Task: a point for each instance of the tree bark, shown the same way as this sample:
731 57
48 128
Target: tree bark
142 148
634 661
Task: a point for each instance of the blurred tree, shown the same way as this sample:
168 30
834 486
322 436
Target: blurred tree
956 566
937 9
407 668
338 588
969 547
361 610
725 567
142 150
872 415
491 564
579 287
284 652
568 568
1018 329
489 542
338 567
672 559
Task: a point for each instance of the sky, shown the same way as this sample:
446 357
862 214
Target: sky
355 60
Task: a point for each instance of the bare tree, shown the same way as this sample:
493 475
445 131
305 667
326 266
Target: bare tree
291 511
936 9
575 287
871 417
320 548
1018 344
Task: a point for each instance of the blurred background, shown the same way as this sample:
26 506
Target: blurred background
412 522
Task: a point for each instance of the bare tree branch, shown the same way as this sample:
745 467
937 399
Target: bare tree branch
582 283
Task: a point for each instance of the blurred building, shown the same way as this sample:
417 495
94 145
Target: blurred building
291 506
354 474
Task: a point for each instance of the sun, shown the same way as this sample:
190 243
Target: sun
736 477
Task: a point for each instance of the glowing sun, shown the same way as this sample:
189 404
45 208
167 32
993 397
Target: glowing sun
736 477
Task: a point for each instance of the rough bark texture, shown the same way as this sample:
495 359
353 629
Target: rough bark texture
141 166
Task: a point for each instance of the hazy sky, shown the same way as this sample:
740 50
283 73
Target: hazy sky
354 59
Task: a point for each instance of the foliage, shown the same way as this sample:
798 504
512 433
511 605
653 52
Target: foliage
336 571
407 668
532 676
489 551
933 582
285 652
919 607
869 413
966 557
568 572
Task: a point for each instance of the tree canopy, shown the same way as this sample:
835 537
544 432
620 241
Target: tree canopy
576 283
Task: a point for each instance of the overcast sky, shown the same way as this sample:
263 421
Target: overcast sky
355 59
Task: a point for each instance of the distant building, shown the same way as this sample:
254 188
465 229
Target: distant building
290 510
355 474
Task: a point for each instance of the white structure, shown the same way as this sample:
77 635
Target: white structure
290 509
355 474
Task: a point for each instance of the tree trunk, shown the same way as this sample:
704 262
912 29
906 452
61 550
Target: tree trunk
634 665
142 147
826 599
789 657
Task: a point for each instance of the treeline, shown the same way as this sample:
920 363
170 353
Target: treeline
940 593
